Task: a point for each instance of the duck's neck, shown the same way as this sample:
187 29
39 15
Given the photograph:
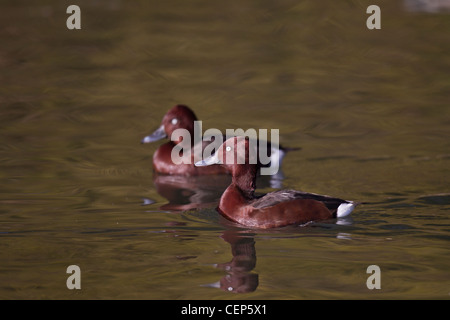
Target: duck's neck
244 178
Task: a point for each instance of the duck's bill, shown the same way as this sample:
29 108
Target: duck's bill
208 161
212 285
159 134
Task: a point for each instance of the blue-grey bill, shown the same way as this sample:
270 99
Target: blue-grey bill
207 161
159 134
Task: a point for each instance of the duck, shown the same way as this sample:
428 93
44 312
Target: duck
182 117
280 208
178 117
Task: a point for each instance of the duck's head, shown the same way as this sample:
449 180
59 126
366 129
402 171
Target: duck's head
237 154
179 117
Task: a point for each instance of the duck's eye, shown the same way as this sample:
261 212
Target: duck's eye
174 121
228 148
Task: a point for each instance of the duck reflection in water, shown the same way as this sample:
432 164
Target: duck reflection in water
198 192
186 193
239 278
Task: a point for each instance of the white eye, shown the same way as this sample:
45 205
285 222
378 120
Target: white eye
228 148
174 121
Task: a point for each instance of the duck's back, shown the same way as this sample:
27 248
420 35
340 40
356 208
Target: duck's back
276 197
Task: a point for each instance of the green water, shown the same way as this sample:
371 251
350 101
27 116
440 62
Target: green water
369 108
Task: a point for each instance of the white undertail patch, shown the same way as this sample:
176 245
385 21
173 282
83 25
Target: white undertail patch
345 209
